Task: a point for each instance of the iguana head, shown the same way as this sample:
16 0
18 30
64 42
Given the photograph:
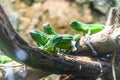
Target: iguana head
77 25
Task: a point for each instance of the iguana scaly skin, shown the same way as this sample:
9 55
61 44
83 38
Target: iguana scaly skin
86 28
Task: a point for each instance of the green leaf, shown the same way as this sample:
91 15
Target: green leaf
5 59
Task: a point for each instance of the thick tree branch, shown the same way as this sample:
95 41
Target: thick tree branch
103 42
15 47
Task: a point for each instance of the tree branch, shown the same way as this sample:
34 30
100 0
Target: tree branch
104 42
15 47
111 17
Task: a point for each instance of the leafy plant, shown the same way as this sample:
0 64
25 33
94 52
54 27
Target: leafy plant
4 59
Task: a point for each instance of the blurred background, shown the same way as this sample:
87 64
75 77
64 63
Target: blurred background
28 14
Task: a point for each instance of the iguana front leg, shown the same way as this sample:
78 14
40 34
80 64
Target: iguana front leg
52 43
87 43
93 50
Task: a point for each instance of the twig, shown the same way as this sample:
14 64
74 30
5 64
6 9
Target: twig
111 17
109 25
113 66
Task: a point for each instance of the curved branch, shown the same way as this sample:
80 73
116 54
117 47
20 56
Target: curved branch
16 48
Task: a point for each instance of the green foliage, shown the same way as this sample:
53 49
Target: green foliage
4 59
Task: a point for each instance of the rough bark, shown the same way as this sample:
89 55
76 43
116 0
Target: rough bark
105 41
14 46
